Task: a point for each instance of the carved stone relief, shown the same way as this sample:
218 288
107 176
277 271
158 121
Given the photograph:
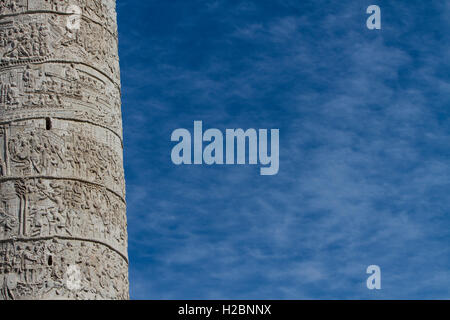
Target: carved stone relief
41 208
63 227
39 38
42 270
59 90
69 149
12 6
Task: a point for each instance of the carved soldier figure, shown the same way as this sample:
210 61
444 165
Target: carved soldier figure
29 258
28 78
11 93
9 284
8 224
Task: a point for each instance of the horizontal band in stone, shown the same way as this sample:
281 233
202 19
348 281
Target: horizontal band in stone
43 37
66 149
123 254
64 91
101 12
12 178
40 208
36 61
61 269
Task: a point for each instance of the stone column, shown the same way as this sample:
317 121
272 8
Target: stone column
63 230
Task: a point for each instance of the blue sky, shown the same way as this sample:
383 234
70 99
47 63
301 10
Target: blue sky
364 123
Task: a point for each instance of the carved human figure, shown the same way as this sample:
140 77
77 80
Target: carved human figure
8 224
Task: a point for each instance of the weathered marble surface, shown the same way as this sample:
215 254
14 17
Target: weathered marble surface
63 229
